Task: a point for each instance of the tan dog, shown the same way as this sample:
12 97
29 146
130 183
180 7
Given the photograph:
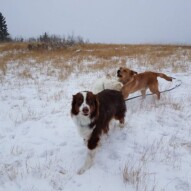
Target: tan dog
141 81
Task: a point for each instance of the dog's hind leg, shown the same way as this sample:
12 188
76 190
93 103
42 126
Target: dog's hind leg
122 122
154 89
106 129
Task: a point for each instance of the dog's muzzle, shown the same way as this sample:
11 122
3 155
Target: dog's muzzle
85 111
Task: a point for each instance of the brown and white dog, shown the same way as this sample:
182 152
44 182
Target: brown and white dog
141 81
92 114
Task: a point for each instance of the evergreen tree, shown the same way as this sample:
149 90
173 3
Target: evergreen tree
3 29
44 38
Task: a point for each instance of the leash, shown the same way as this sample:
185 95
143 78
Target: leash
177 85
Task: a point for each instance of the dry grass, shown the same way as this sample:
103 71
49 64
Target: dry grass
136 175
12 46
100 57
135 171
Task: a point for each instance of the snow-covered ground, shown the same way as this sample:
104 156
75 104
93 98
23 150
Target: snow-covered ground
41 150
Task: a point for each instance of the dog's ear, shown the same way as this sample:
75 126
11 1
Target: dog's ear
73 99
133 72
73 110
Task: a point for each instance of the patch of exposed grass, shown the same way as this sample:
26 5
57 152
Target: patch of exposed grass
4 47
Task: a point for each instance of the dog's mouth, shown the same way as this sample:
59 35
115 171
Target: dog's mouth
119 73
86 114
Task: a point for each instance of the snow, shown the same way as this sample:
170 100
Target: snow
40 148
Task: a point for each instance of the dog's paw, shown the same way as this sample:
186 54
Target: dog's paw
81 171
121 125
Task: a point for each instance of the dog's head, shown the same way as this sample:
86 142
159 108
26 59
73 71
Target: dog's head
85 103
124 74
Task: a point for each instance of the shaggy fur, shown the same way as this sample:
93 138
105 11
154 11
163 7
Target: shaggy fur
111 83
92 114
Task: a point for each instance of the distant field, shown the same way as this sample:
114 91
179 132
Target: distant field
156 56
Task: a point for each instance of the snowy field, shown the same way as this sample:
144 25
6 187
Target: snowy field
41 150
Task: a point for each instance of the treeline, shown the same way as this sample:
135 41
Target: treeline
44 41
50 42
46 38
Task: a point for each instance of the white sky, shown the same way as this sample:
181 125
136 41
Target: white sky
106 21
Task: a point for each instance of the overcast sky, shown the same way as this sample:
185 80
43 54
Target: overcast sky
106 21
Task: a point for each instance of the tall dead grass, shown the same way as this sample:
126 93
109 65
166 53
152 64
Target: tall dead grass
100 57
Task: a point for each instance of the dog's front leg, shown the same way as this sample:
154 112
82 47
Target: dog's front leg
88 162
143 92
92 148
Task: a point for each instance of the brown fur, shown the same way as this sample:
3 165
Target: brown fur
142 82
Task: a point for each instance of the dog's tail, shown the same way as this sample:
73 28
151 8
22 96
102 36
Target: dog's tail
168 78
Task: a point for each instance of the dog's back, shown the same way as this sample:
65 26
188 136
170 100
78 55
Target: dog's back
146 78
111 103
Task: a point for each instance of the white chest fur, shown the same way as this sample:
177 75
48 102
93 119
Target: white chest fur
82 122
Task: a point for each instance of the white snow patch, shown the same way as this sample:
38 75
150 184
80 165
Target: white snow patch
40 148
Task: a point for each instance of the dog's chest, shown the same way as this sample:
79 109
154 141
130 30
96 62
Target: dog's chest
82 123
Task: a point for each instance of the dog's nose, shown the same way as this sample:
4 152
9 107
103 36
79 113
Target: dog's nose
118 72
85 110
